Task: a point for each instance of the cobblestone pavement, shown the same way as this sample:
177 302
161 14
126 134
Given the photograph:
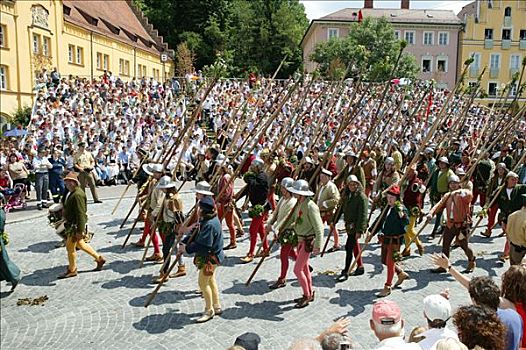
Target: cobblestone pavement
105 309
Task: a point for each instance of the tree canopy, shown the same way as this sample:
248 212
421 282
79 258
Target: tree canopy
250 35
370 48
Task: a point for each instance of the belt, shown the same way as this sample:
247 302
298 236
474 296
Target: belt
519 248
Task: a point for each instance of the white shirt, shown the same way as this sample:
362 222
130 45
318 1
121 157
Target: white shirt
434 335
397 343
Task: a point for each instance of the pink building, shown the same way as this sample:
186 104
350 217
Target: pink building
432 36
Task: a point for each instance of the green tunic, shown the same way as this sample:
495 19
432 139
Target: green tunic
308 222
75 211
355 211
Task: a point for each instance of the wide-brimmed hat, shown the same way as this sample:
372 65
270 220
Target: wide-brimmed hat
222 160
151 168
72 176
453 178
512 174
287 182
389 160
326 172
166 182
203 188
353 178
301 187
443 160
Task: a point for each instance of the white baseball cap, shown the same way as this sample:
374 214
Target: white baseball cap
436 307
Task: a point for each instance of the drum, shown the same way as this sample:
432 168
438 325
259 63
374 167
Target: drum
55 213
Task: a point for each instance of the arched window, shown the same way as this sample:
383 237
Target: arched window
507 12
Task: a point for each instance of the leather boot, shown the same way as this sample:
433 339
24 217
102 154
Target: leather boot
421 249
68 274
161 278
181 271
100 263
280 283
402 276
156 258
385 292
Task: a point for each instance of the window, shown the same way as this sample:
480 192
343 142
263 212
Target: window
106 62
46 46
490 4
443 38
3 36
71 53
99 60
522 34
492 89
80 55
3 78
488 33
410 37
426 65
124 67
507 12
476 60
397 34
36 43
155 74
333 33
428 38
121 66
506 34
494 61
513 90
442 65
515 61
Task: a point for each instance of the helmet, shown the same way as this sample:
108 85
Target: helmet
287 182
301 187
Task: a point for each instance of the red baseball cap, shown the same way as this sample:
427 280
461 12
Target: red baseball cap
394 191
386 312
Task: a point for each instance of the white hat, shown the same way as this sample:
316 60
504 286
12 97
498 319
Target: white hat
453 178
350 154
308 160
436 307
287 182
221 159
203 187
460 172
443 160
512 174
258 162
166 182
389 160
301 187
353 178
326 172
428 150
151 168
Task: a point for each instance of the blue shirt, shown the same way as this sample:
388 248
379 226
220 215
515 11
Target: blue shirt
513 322
208 241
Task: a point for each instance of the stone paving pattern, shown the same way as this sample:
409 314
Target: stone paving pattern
106 309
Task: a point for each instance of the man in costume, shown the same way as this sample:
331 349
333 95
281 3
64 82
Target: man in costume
327 198
456 205
84 163
224 199
309 228
497 180
516 230
8 270
354 211
76 220
414 202
351 168
370 172
481 179
207 245
288 238
393 227
257 191
438 187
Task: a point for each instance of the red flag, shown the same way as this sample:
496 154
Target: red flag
360 16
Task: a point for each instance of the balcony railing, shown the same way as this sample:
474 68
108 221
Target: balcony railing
494 72
506 44
488 43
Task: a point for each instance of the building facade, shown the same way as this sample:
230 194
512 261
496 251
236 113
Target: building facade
432 36
81 38
495 36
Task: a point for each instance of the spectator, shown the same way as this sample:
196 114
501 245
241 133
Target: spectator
248 341
479 326
513 291
56 183
388 326
42 166
450 344
437 312
18 172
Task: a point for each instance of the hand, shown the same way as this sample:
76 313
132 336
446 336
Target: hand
440 260
340 326
192 226
429 217
445 293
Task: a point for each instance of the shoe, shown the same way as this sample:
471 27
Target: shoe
333 249
311 299
486 233
100 263
68 274
385 292
160 279
278 284
230 246
247 259
239 233
471 266
503 258
302 303
263 253
297 300
311 269
138 244
217 310
438 270
156 258
39 206
207 316
181 271
402 276
343 276
406 252
97 201
13 286
360 270
421 250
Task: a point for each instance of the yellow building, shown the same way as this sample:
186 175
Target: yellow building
81 38
495 36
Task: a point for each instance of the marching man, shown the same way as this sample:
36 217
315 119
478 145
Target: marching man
288 239
457 205
327 199
309 228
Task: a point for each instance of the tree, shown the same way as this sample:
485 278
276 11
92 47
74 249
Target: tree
370 48
184 60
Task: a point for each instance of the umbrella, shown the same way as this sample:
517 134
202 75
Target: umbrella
15 133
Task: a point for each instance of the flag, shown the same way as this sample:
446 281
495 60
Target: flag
360 16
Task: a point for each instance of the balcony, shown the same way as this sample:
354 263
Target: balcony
473 72
522 44
507 21
513 71
494 72
488 43
505 44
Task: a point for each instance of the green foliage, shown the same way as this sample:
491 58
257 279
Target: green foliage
22 116
371 48
251 35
